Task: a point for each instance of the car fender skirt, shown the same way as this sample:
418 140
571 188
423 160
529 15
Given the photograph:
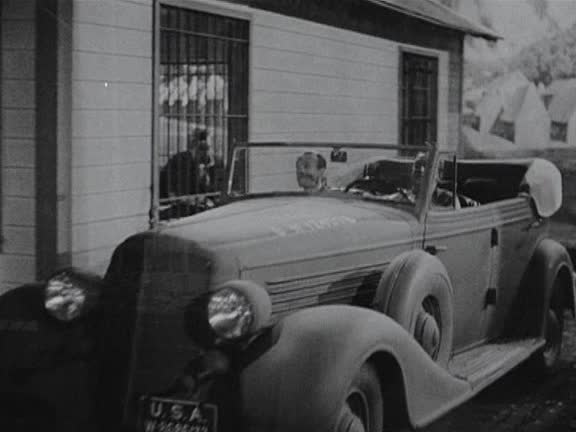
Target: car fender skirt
300 383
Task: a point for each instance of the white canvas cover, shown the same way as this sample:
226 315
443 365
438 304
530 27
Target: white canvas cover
544 183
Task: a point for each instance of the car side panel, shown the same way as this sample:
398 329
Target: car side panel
462 239
519 232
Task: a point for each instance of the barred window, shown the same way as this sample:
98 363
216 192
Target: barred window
203 107
418 99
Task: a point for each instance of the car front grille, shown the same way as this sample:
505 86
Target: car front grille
148 328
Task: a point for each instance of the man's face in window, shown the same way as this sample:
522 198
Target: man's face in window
310 171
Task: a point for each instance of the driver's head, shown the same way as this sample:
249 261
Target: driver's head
310 169
418 172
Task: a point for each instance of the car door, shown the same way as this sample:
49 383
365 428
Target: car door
518 233
462 239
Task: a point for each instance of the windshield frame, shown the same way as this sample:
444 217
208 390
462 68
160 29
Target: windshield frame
418 208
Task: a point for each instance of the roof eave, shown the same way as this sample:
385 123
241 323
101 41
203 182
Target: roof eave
475 30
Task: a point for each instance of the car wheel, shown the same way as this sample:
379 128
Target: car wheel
363 405
548 359
428 326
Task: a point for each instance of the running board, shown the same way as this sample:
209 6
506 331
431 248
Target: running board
485 364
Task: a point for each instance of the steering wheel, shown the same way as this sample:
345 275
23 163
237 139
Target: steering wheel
373 186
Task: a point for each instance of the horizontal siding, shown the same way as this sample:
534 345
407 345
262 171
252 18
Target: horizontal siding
327 136
96 207
111 68
19 182
19 240
315 82
18 9
271 32
18 153
108 233
18 64
267 102
18 34
98 179
95 260
301 83
111 151
18 211
111 40
17 269
117 13
277 122
17 260
18 94
283 59
18 122
111 95
111 126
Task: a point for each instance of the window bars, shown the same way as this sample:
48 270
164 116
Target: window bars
418 99
203 106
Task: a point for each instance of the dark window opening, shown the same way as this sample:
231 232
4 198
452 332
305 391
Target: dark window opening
418 99
503 128
471 120
203 106
558 131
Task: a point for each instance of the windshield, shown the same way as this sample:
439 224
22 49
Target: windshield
379 172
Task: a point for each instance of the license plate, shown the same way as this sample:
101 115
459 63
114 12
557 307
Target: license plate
170 415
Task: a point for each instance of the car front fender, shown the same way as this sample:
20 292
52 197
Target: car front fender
300 383
46 371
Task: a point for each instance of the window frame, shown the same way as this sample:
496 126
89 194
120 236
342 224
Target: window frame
204 6
424 53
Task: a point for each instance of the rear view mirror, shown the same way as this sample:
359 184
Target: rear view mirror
338 155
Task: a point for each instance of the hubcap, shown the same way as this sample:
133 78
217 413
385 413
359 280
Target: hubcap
427 330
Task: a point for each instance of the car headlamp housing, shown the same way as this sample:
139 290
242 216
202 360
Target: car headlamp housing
70 294
230 314
238 309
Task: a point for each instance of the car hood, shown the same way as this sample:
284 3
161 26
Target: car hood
263 230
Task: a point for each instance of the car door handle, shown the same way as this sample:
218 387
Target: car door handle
434 249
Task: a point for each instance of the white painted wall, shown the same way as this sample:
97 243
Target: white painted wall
316 83
17 256
111 125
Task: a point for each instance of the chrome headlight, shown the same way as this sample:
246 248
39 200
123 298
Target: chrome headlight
238 309
230 314
68 295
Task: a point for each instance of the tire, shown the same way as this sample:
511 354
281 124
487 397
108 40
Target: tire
363 403
547 360
419 298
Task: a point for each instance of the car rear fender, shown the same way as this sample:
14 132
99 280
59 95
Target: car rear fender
300 383
550 264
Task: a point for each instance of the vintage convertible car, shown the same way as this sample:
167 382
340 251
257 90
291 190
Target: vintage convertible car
338 288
